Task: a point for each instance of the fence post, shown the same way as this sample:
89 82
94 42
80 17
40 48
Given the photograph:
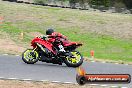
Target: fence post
21 35
92 55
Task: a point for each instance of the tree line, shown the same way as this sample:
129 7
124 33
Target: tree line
106 3
127 4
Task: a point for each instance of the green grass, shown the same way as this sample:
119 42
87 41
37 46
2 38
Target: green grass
105 47
80 26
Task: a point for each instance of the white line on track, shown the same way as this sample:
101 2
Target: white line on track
124 87
27 79
13 78
114 87
126 64
44 80
68 83
1 77
103 85
93 84
56 81
4 54
17 55
116 63
92 61
103 62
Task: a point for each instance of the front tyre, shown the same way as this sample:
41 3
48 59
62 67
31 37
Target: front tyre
75 61
30 57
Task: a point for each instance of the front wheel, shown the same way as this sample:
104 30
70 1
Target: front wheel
30 57
75 61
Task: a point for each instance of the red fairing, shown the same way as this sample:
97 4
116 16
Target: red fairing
51 40
69 43
58 34
48 43
62 38
42 42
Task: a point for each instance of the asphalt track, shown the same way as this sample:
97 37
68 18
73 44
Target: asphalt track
12 67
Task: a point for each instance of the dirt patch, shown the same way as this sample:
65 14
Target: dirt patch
27 84
36 34
10 46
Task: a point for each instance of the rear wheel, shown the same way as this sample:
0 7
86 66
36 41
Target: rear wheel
30 57
75 61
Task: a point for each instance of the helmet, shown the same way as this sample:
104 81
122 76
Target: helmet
49 31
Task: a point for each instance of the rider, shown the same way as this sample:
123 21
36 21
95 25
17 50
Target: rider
51 33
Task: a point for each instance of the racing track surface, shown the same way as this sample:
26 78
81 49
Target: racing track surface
14 67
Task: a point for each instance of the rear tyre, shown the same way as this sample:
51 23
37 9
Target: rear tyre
30 57
74 62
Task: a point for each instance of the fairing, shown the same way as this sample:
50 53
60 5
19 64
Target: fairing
42 42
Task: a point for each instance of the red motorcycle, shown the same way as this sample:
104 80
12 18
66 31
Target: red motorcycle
45 49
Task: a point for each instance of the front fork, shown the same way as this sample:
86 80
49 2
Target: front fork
32 53
34 49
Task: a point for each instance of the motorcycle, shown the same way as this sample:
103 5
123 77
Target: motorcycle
45 49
